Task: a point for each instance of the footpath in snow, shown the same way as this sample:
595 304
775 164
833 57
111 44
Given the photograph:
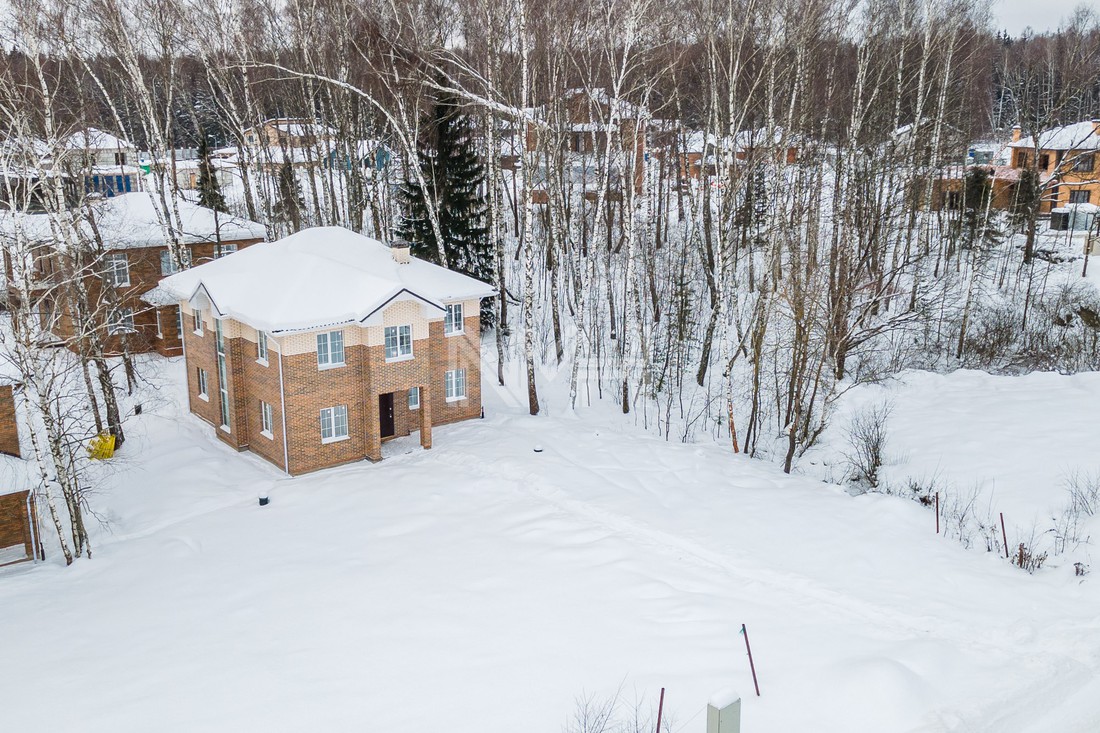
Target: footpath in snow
481 586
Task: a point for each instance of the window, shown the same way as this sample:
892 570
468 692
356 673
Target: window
224 249
1084 163
120 320
452 323
203 386
261 347
179 321
1044 162
399 344
267 420
1079 197
120 158
456 384
168 265
196 318
223 373
330 349
334 424
414 398
160 333
117 270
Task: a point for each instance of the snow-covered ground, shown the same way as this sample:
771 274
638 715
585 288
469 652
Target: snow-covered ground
481 586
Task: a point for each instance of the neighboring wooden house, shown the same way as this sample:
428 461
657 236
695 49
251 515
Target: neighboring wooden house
134 259
947 190
289 132
1068 162
312 350
9 425
20 538
107 162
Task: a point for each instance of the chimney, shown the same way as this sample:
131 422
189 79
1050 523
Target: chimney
399 248
1015 133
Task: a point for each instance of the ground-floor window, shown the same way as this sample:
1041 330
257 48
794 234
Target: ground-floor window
267 419
202 382
456 384
1079 197
120 320
334 423
414 398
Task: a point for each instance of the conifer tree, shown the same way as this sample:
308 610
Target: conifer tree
455 178
210 194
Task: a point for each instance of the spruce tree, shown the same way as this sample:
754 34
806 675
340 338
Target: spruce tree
288 204
210 194
455 179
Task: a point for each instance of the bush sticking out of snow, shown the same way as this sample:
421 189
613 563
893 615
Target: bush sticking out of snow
867 443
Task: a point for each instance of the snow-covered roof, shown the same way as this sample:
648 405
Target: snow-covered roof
129 221
96 139
297 126
319 277
1079 136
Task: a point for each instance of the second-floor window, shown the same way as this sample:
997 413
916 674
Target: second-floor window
1084 164
117 270
452 323
1044 162
261 346
330 349
120 320
399 344
168 264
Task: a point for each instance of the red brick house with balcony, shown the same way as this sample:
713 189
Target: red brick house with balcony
313 350
134 257
1068 161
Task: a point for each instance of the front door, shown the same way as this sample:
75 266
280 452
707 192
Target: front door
385 414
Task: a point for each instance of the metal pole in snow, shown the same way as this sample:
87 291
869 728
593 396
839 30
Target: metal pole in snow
1003 535
745 633
660 709
937 512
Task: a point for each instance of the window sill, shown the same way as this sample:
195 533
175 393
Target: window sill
326 441
454 333
203 397
263 362
267 434
325 367
457 399
198 333
406 357
225 429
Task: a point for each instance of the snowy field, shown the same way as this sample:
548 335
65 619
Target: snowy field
481 586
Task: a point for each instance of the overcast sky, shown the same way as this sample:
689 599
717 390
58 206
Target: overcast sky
1042 15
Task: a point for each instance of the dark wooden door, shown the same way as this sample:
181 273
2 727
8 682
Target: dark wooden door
385 414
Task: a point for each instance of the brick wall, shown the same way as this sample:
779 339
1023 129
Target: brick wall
15 522
308 389
9 429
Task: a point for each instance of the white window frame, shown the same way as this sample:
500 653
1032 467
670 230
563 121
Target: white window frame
168 266
111 271
414 398
401 351
325 358
261 348
204 384
179 321
224 250
451 325
196 321
451 383
120 320
267 420
160 332
331 421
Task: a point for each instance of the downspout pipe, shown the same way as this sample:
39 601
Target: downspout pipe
282 411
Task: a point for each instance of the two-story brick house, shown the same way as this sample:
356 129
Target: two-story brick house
134 258
312 350
1068 162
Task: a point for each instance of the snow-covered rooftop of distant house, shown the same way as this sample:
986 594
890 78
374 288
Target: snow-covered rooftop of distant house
762 136
319 277
96 139
1079 136
298 126
599 96
129 221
